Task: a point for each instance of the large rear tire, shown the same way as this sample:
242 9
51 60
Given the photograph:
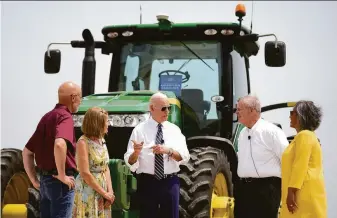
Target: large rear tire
33 205
14 180
206 184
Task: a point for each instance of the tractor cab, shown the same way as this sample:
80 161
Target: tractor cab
196 62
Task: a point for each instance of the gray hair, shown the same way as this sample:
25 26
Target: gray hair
251 102
308 114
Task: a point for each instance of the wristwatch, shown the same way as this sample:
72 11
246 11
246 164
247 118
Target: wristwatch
170 153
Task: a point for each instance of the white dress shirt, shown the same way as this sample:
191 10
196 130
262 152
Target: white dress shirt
263 146
146 132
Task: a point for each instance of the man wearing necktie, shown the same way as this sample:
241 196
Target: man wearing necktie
156 149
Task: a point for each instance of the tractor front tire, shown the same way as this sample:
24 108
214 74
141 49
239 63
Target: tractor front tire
14 180
206 176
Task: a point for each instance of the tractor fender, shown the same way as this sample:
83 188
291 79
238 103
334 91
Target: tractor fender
217 142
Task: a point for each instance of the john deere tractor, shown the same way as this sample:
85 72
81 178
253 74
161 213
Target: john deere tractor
202 67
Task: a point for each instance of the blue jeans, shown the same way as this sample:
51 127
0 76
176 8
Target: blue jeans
56 200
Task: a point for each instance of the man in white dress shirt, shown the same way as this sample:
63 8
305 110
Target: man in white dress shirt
260 148
155 151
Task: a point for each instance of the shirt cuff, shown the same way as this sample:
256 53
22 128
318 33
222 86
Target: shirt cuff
132 167
185 158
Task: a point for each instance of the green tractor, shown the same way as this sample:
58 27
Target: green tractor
202 67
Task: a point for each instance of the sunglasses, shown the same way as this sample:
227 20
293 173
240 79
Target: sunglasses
164 108
292 113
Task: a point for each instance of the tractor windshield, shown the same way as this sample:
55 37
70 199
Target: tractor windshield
179 66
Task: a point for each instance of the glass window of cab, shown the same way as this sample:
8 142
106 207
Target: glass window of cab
199 64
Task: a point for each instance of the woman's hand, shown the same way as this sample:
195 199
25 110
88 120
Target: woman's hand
291 200
109 198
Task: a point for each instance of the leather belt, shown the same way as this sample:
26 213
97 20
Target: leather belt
69 172
251 179
165 175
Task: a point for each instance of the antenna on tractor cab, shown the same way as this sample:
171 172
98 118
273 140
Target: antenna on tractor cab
140 13
251 20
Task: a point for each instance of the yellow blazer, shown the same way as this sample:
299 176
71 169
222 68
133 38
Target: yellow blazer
302 168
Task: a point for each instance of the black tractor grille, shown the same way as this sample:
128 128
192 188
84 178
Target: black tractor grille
116 141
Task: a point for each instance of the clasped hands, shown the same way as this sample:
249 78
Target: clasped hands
109 198
157 149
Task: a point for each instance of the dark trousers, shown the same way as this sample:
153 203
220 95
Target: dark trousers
56 200
158 198
257 198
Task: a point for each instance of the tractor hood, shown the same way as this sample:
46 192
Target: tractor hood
120 102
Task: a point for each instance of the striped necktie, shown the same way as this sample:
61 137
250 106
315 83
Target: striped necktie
159 159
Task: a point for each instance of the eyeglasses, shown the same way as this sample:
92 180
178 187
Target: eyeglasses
80 96
76 95
164 108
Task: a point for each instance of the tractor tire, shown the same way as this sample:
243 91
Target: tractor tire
14 180
33 205
199 180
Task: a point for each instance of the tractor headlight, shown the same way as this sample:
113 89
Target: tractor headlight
117 120
78 120
127 120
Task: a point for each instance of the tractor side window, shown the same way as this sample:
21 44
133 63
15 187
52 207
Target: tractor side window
128 79
102 75
240 82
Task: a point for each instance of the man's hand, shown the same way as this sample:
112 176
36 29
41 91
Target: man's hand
160 149
28 163
137 147
291 200
36 184
68 180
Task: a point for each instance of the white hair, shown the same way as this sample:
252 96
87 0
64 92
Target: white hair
251 102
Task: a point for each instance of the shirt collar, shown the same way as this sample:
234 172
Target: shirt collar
62 106
155 123
256 125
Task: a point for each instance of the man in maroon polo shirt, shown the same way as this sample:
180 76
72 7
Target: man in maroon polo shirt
53 147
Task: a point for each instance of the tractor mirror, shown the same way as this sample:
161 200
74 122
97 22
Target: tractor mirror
275 54
52 62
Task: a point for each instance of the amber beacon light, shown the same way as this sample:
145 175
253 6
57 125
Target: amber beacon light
240 10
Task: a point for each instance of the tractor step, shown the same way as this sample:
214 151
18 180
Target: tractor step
14 211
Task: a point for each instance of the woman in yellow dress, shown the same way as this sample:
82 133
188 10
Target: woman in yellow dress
93 188
303 188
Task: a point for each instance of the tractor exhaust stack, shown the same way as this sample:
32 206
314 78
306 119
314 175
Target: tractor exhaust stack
89 64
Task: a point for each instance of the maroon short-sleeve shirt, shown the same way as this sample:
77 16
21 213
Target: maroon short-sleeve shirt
57 123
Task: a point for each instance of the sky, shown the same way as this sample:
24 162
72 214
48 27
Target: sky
307 28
